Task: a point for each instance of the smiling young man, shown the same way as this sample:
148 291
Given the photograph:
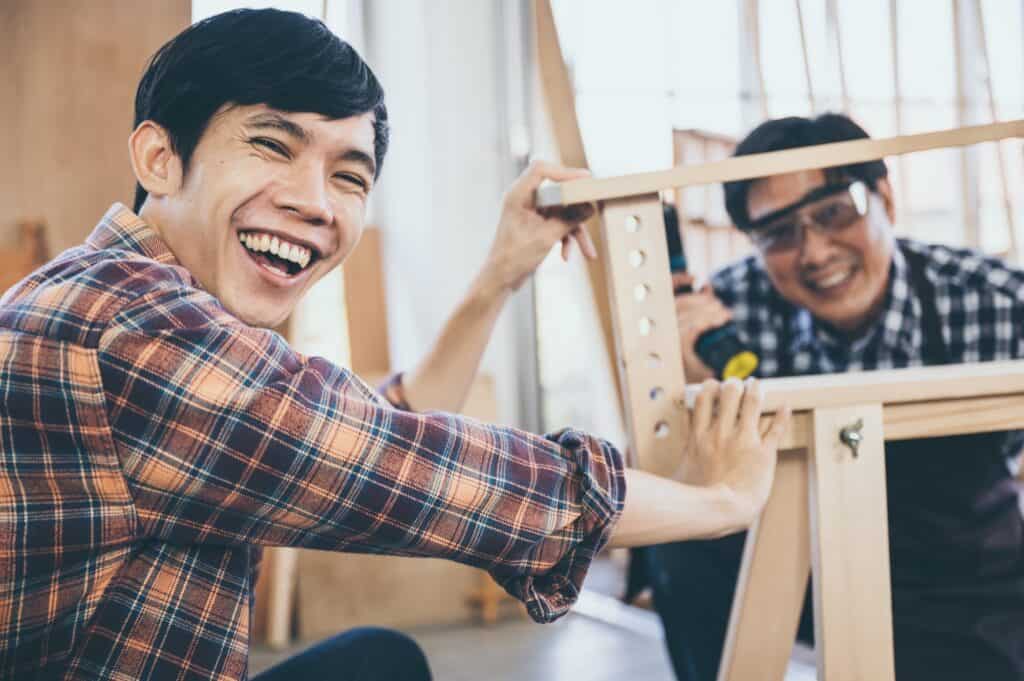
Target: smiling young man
830 289
154 434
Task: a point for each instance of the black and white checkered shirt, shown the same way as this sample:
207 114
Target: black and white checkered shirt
979 300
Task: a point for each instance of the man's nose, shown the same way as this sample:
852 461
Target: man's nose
304 193
815 248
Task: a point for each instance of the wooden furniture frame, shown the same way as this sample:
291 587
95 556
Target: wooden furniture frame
827 512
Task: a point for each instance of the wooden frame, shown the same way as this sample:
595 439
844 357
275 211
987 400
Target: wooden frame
806 525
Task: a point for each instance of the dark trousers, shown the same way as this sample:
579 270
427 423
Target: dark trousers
953 632
693 584
361 654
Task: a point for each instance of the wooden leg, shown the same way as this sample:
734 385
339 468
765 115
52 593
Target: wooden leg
772 581
281 574
646 331
850 548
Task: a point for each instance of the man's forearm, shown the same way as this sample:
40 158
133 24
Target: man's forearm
660 510
442 379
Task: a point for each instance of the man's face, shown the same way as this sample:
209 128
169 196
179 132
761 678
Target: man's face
841 277
271 202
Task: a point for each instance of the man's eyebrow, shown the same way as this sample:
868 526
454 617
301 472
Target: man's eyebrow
279 122
360 157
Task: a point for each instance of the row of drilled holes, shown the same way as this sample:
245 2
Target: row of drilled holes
637 258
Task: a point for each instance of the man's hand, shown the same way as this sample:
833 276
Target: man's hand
527 234
696 313
727 448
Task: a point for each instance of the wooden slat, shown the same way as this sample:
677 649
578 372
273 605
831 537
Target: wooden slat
924 384
937 418
772 581
561 107
811 102
1004 183
850 549
366 306
772 163
646 361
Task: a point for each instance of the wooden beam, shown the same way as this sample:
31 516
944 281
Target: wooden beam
936 418
561 107
812 103
903 202
772 163
772 581
850 547
1004 183
646 332
832 9
754 17
891 386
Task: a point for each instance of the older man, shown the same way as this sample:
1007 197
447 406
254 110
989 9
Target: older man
829 290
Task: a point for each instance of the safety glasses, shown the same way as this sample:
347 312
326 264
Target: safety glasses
828 210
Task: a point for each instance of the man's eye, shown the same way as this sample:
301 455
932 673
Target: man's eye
272 145
353 179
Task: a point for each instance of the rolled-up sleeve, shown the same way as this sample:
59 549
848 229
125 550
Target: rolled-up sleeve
225 435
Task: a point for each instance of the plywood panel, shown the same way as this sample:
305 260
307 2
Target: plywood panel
69 71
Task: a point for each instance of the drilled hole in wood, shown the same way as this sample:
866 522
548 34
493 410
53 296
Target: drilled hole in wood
661 430
632 224
637 257
641 291
656 393
645 326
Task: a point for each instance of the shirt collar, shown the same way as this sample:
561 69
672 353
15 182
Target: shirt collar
897 323
122 229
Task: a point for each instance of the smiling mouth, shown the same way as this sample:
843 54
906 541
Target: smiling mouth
282 257
824 284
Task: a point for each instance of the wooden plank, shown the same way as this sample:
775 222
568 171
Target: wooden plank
561 107
1004 183
366 306
850 548
772 163
836 29
281 569
937 418
811 102
892 386
772 581
646 331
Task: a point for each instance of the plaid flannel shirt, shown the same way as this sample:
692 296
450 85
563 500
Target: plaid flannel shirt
149 442
980 301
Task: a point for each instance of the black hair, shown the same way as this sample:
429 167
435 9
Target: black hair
793 132
282 59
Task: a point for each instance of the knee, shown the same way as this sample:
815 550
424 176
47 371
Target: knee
395 652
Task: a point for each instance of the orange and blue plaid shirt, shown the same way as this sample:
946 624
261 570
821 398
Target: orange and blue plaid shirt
150 442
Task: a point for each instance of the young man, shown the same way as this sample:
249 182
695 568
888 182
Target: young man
154 434
831 290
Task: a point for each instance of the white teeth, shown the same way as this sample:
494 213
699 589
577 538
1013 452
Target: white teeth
835 279
261 243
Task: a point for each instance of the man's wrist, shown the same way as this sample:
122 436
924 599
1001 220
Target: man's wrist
489 288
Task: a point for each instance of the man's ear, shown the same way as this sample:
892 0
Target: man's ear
884 190
157 167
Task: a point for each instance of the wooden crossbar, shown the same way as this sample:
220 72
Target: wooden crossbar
772 163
